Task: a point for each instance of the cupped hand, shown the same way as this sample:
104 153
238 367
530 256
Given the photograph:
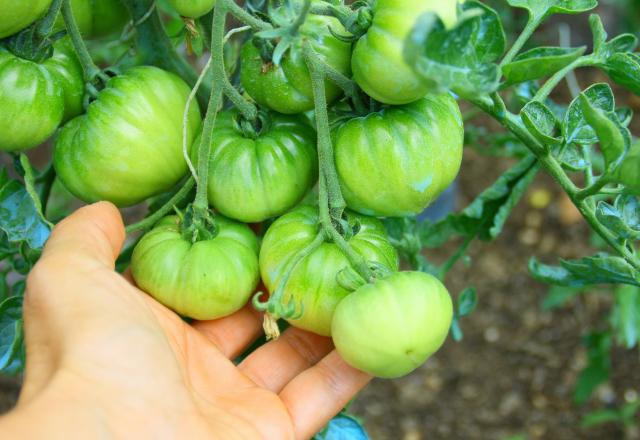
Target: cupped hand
105 359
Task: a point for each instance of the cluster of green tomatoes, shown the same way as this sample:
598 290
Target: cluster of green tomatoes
392 160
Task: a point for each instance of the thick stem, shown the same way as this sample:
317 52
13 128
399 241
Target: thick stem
164 210
248 110
594 188
245 16
90 70
528 30
46 24
560 75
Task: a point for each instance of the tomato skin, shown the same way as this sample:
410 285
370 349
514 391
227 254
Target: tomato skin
66 68
252 180
378 64
313 281
205 280
16 15
32 103
286 88
629 171
396 161
391 327
128 146
192 8
97 18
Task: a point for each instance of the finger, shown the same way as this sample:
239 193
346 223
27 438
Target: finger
94 232
232 334
320 392
274 364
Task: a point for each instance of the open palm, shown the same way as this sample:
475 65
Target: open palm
98 346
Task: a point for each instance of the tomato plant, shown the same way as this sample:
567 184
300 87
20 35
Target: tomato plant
192 8
15 15
98 18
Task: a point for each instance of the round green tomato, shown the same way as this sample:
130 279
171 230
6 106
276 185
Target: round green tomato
208 279
286 88
390 328
628 173
97 18
16 15
31 101
66 68
313 283
192 8
128 146
396 161
253 179
378 64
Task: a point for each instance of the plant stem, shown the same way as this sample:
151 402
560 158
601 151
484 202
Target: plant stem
551 84
593 189
531 26
164 209
245 16
300 19
448 265
248 110
46 24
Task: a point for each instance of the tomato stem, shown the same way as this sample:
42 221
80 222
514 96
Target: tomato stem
245 16
300 19
45 26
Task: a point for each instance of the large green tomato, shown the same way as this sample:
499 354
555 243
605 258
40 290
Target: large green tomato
396 161
286 88
97 18
192 8
31 102
378 64
390 328
128 146
313 280
16 15
66 68
208 279
628 172
253 179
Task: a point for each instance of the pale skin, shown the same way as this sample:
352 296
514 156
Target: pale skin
105 360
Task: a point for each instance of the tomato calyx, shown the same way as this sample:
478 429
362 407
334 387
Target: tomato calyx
349 279
196 225
253 129
29 45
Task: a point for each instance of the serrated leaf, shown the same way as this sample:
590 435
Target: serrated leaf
616 221
343 427
625 318
573 160
598 269
461 59
10 331
544 8
602 49
575 127
467 301
541 123
624 70
486 215
540 62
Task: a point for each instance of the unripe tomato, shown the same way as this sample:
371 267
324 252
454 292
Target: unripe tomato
628 172
31 100
253 179
390 328
66 68
97 18
128 146
378 64
16 15
396 161
208 279
313 281
192 8
286 88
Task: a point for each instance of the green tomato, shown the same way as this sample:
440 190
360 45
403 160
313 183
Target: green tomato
66 68
31 100
313 282
390 328
253 179
396 161
628 173
128 146
208 279
378 64
97 18
192 8
286 88
16 15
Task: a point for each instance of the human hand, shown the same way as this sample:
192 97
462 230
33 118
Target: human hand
105 359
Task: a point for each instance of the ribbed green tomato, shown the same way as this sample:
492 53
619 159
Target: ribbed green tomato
253 179
313 281
97 18
396 161
66 68
31 102
128 146
286 88
390 328
628 173
208 279
16 15
378 64
192 8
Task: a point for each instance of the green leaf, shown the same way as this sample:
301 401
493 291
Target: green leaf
11 333
624 70
598 366
30 186
621 219
558 296
599 417
573 160
463 58
539 63
487 214
20 218
598 269
602 49
624 115
541 123
625 318
575 127
467 301
456 331
544 8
